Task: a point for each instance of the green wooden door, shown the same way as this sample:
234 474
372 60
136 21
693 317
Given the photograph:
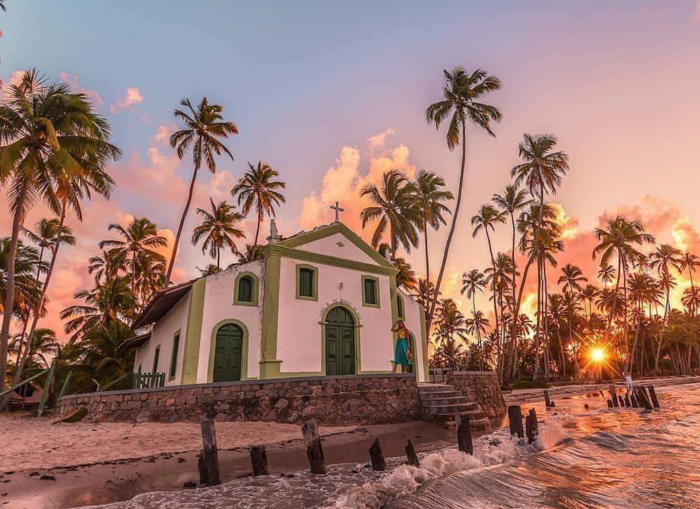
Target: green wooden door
340 343
228 354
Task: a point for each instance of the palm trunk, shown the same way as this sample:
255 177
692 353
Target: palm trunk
493 293
516 316
42 299
663 328
171 264
10 291
624 325
535 375
23 337
257 229
218 259
427 256
478 332
448 243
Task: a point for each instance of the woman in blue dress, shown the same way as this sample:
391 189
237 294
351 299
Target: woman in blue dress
402 351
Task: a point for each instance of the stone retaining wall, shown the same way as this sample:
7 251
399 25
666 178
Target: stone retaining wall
482 387
333 401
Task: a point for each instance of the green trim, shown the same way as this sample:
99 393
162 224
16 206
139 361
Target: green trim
307 256
400 310
269 365
244 348
393 292
327 231
156 358
193 336
424 344
255 293
314 289
172 368
376 289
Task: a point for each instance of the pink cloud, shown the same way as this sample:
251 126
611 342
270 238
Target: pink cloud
74 82
132 98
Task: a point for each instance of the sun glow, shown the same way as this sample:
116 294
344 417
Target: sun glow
598 354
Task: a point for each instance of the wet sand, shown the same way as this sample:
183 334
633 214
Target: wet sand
121 479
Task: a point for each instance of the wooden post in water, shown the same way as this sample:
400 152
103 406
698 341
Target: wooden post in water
613 396
654 399
314 452
531 426
209 457
258 456
464 434
376 457
642 398
411 454
633 400
547 401
620 400
628 403
610 403
515 421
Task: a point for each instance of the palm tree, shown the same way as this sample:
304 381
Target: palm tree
424 294
406 276
473 282
589 294
208 270
394 207
511 201
663 259
620 237
27 267
107 265
106 303
430 197
218 229
607 274
258 189
689 261
137 247
572 277
461 93
251 253
54 147
204 128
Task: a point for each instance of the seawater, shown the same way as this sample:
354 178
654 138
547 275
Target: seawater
620 458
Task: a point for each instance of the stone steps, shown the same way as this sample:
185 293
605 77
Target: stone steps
441 402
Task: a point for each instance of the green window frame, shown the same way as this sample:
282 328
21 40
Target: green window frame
173 356
400 306
156 358
307 282
370 292
239 297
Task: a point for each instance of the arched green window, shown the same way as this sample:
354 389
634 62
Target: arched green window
246 290
399 307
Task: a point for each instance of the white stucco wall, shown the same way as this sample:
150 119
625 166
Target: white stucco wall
299 336
218 306
163 335
413 324
329 246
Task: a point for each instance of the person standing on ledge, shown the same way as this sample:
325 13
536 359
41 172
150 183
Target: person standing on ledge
628 381
402 351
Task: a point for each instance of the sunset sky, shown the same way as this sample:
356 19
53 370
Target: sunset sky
331 94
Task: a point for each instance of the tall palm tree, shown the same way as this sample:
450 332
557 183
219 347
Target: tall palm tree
137 245
461 93
620 237
218 229
107 265
688 262
512 201
572 277
473 282
430 195
251 253
204 127
258 189
663 258
406 277
607 274
394 206
53 147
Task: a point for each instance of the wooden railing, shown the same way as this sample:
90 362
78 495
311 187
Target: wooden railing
147 380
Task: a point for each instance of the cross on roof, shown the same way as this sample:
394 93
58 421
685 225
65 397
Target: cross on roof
338 210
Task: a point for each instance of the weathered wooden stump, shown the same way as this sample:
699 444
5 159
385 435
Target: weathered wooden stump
610 403
532 426
515 421
613 396
314 451
547 400
258 457
643 399
376 456
209 457
654 399
628 403
620 401
464 434
411 455
633 400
